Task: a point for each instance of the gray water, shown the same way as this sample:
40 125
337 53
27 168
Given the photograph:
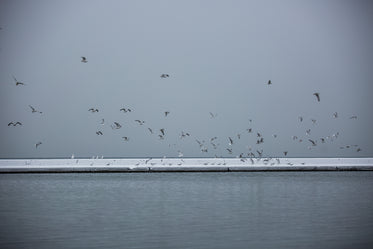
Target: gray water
187 210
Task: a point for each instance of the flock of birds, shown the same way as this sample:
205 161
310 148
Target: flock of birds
204 146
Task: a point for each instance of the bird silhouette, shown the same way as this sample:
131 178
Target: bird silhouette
17 82
317 96
140 122
84 60
230 141
116 126
212 115
93 110
14 124
34 110
125 110
164 76
313 142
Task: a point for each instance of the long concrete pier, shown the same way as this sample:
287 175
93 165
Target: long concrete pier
183 165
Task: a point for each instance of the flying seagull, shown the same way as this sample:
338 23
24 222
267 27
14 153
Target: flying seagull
164 76
285 153
213 115
150 130
125 110
184 134
166 113
17 82
353 117
200 143
313 142
116 125
99 133
126 139
93 110
269 82
204 149
162 131
230 141
317 96
260 153
37 144
300 119
34 110
139 122
14 124
102 122
84 60
259 141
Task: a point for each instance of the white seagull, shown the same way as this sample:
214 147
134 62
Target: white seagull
162 131
17 82
140 122
116 125
93 110
230 141
34 110
213 115
317 96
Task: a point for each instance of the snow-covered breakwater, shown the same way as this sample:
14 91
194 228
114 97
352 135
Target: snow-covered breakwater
183 165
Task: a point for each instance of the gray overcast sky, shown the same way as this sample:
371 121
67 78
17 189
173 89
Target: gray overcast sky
219 55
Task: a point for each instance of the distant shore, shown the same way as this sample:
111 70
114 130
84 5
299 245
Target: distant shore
183 165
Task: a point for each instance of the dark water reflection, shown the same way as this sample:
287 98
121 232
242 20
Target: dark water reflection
187 210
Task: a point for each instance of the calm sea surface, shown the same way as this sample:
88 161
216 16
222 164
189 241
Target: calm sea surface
187 210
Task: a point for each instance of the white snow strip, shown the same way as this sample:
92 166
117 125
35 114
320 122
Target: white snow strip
183 165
